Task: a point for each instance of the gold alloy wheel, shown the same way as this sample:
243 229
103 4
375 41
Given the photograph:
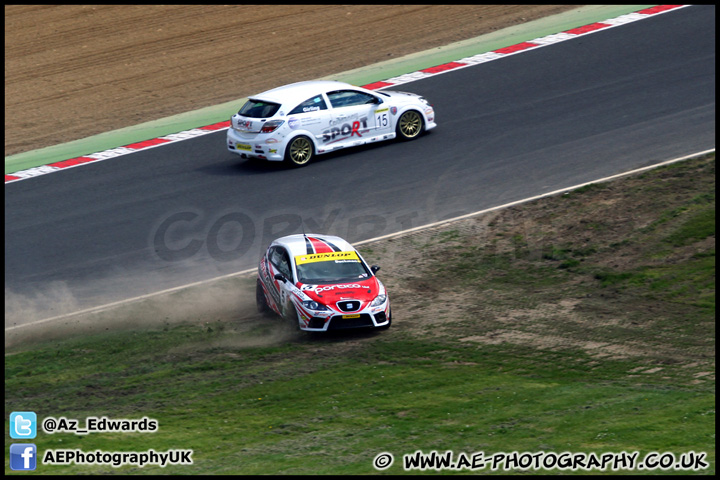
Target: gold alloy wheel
410 125
300 151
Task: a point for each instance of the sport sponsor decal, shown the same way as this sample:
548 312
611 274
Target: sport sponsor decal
325 257
346 130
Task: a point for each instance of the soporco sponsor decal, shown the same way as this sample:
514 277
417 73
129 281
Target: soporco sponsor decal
333 287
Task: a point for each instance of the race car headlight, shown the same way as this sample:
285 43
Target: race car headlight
313 305
379 300
423 100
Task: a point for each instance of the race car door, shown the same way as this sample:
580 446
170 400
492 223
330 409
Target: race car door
352 119
280 290
311 115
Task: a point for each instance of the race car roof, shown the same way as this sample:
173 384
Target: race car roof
303 244
294 93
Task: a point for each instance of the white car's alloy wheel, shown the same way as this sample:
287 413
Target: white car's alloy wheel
300 151
409 125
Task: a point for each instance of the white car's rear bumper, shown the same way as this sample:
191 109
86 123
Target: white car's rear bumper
254 147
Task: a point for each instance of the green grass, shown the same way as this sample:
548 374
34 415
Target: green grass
261 411
628 366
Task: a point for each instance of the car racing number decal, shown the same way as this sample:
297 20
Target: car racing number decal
381 118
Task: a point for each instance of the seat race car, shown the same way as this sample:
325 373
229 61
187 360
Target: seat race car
322 283
295 122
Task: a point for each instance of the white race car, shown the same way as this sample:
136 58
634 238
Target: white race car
322 283
300 120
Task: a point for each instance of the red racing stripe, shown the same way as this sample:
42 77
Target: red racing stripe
320 246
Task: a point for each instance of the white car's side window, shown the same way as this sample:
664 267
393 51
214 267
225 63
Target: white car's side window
314 104
350 98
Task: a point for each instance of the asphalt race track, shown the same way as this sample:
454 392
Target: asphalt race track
528 124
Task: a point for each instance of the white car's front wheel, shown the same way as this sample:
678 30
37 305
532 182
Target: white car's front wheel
299 152
410 125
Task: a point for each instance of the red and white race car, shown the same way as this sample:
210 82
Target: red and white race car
321 282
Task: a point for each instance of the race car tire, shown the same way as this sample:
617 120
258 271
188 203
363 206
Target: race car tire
292 319
409 125
260 300
299 152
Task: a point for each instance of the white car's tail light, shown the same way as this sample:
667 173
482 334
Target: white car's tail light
271 126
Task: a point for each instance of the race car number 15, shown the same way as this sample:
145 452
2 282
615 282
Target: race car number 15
382 119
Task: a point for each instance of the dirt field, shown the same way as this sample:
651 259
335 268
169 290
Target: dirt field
72 71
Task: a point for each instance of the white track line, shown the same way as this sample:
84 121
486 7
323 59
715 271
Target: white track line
108 306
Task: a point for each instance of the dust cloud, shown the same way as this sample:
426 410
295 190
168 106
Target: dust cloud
229 302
